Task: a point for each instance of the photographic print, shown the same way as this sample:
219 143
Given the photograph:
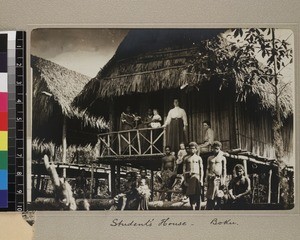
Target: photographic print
162 119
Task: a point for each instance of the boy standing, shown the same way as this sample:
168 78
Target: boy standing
215 175
193 175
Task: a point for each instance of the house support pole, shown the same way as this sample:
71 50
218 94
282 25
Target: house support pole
270 186
152 185
118 178
113 180
245 166
64 145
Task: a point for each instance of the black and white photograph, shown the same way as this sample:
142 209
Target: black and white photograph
146 119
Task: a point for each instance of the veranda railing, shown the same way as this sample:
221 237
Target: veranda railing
133 142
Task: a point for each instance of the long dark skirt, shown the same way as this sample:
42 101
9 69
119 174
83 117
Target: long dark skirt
176 134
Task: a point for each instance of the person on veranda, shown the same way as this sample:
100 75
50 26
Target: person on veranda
177 126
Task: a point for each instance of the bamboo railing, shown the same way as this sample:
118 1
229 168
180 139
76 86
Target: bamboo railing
133 142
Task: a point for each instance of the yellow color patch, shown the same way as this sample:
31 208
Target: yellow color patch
3 141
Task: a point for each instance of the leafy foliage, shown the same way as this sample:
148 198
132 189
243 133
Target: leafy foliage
252 59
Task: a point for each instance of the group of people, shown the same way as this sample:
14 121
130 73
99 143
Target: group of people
176 124
129 120
188 167
134 194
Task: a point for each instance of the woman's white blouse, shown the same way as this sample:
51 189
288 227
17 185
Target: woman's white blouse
177 112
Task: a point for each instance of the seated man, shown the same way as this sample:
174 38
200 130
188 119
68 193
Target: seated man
128 198
239 189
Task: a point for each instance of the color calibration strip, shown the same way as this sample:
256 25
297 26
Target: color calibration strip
20 107
12 123
3 121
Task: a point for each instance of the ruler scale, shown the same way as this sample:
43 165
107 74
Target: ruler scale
16 85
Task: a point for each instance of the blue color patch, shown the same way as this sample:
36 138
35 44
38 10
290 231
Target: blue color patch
3 198
3 179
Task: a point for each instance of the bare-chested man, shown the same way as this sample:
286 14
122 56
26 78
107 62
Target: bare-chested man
215 175
193 176
168 173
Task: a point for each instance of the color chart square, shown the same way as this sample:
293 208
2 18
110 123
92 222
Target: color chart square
3 82
3 179
3 121
3 141
3 198
3 160
3 102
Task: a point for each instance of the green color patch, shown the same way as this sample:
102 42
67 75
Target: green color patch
3 159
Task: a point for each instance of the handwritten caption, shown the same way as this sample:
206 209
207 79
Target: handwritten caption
166 222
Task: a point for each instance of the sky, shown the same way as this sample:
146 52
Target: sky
81 50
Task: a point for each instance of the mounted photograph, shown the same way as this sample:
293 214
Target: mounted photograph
162 119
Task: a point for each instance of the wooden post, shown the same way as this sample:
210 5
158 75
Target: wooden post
118 178
164 140
64 144
270 186
119 143
151 141
113 180
152 184
92 181
245 166
108 145
278 187
96 185
111 116
38 179
109 181
139 141
129 140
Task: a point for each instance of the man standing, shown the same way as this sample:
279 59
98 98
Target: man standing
168 173
215 175
193 176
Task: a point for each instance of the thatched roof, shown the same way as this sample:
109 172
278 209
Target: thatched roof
55 82
146 60
150 60
54 89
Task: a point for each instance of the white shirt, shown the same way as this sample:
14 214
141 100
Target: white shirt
177 112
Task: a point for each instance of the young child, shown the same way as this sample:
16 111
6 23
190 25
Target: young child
144 193
156 119
179 168
179 162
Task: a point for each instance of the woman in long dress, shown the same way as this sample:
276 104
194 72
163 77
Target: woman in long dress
177 125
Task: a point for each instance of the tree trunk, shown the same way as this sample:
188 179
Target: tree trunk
277 126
